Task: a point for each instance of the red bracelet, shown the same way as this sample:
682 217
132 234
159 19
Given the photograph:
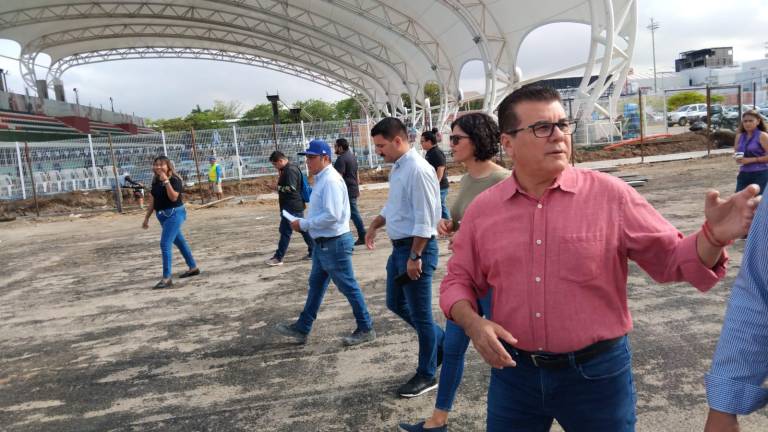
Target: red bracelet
707 230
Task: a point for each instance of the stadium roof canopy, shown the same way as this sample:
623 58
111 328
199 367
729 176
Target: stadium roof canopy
373 50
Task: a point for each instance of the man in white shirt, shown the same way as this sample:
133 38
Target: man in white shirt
328 225
411 215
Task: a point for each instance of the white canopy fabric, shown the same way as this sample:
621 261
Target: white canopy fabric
374 50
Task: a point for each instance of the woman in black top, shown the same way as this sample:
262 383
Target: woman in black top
167 189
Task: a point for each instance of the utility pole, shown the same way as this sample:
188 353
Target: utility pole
653 27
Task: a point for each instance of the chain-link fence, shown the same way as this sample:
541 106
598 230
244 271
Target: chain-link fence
100 163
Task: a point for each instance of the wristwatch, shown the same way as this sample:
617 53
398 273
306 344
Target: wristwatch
414 256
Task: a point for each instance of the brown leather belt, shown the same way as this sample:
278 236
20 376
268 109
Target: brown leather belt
559 361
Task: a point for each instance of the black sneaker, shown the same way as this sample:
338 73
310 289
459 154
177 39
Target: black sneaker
360 241
289 330
417 386
189 273
358 337
163 284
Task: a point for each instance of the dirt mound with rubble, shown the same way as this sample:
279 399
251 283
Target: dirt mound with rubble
681 143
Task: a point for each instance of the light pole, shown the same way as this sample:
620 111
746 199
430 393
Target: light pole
112 104
653 27
77 97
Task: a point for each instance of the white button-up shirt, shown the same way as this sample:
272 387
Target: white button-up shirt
413 204
329 207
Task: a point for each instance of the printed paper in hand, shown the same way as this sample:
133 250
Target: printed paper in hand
289 216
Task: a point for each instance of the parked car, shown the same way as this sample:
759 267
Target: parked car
713 111
686 114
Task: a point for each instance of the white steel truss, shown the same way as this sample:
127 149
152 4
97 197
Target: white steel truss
375 50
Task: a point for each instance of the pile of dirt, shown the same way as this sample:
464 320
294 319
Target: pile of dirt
685 142
60 204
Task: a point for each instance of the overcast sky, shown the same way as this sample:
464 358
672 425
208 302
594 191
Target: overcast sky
170 88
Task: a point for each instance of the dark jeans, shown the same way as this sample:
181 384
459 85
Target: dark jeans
332 261
171 221
745 179
285 236
444 213
595 396
356 218
413 302
455 344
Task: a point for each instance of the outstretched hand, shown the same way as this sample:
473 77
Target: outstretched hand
730 219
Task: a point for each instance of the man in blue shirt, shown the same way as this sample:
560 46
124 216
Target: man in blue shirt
735 383
328 225
411 215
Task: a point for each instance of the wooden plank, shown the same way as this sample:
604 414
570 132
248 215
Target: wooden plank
213 203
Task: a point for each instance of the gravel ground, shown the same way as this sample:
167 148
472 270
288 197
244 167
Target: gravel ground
86 345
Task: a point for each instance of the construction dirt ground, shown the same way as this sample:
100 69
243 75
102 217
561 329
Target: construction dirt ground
86 345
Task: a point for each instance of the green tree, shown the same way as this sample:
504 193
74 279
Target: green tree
684 98
172 124
432 91
318 109
347 108
207 119
228 110
406 100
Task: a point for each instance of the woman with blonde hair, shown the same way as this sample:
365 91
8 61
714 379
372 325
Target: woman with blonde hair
751 151
167 203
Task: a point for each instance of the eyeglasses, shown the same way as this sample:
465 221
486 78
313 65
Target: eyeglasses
456 138
546 129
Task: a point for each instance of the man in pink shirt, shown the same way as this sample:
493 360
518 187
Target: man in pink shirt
557 337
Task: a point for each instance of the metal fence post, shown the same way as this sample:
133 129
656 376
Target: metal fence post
197 168
118 190
21 172
31 177
351 136
641 108
165 147
93 164
666 122
370 149
237 160
303 143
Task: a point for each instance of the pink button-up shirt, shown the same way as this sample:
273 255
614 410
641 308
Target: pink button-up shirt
558 265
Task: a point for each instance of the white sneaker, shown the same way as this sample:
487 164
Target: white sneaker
273 262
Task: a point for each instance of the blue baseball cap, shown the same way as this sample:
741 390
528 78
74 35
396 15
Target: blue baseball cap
317 147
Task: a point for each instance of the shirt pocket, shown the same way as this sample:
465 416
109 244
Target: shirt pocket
581 256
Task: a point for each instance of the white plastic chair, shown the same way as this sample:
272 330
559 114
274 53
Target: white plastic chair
41 180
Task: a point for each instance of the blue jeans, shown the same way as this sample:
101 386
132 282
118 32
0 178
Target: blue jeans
745 179
595 396
332 260
413 302
444 213
285 236
455 346
356 218
171 221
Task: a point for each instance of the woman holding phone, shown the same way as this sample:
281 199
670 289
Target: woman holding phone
474 142
751 151
168 206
